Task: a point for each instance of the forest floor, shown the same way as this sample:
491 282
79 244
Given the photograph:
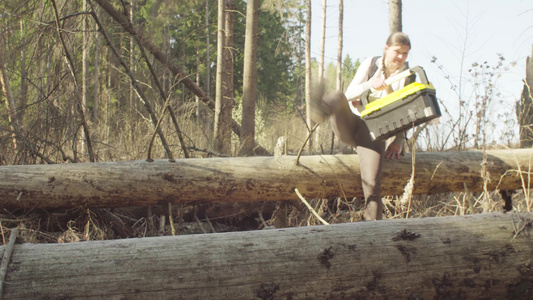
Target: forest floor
75 225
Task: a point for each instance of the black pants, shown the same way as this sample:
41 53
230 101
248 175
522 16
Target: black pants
352 130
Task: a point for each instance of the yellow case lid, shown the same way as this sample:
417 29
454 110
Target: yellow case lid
395 96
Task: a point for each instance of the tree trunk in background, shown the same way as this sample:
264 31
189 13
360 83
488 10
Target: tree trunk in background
322 42
479 256
320 79
395 16
14 123
249 179
525 107
23 98
198 64
249 94
219 97
84 57
207 120
132 94
339 49
84 67
96 81
228 98
224 96
308 69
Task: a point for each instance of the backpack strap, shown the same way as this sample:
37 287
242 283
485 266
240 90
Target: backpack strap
373 67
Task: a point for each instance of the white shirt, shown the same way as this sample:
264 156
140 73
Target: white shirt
361 83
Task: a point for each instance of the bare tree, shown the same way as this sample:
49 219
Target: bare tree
207 58
308 67
198 63
525 107
132 96
322 41
224 98
219 97
8 94
250 78
96 79
84 65
339 49
395 15
72 69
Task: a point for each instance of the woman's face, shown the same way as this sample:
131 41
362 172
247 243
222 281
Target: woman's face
396 55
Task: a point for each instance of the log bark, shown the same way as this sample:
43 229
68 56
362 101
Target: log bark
246 179
480 256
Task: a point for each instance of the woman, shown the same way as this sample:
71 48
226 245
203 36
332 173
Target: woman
351 129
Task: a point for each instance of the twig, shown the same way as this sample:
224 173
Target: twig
522 224
162 219
305 143
310 207
3 236
157 127
172 230
210 224
408 189
7 258
263 222
525 186
209 152
198 221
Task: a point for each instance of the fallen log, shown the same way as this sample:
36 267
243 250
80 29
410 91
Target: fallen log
484 256
142 183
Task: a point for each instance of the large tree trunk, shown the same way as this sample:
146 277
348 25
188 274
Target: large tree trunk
484 256
140 183
224 81
249 89
395 16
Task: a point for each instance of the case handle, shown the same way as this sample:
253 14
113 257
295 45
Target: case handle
418 70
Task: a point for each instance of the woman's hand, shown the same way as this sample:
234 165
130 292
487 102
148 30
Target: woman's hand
355 103
378 84
393 151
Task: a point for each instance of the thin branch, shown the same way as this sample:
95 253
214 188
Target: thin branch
79 107
310 207
135 86
7 257
305 143
162 92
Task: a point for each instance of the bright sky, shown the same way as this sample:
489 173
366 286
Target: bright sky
447 29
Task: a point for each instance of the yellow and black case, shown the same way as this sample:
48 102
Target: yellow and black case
401 110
